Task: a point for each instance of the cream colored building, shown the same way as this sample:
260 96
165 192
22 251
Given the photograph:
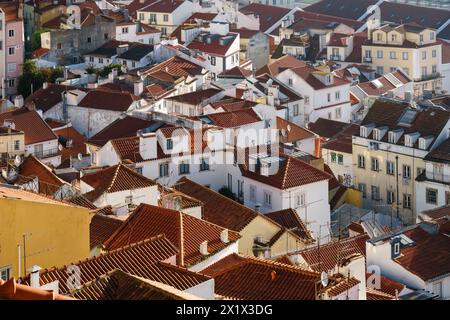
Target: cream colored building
410 47
12 143
389 152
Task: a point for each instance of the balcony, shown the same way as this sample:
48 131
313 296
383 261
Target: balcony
431 76
434 177
367 59
47 153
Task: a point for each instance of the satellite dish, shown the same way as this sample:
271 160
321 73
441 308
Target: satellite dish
80 156
324 278
60 147
17 160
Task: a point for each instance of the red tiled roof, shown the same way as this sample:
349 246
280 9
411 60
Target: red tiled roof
39 52
114 179
217 208
214 47
195 97
127 149
161 6
81 201
268 15
290 220
306 73
349 9
122 128
291 173
428 257
388 286
326 257
234 119
229 104
45 99
246 278
77 139
49 183
356 54
34 127
330 128
283 63
236 72
293 131
12 290
101 228
175 66
101 99
144 259
183 230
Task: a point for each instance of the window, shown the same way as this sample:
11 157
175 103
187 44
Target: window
141 16
163 31
338 113
447 198
420 171
91 59
306 99
393 55
424 71
300 200
184 168
431 196
128 199
329 97
333 157
165 17
16 145
380 70
164 169
375 193
11 50
361 162
5 273
437 289
290 82
424 55
89 40
375 165
406 70
11 83
362 188
230 181
125 30
153 17
340 159
105 37
390 168
392 69
380 54
133 64
100 60
406 172
337 95
397 248
421 38
252 193
376 134
169 144
406 201
394 37
434 69
379 37
12 67
431 35
11 33
38 150
213 61
267 199
390 199
139 170
296 110
434 53
204 165
306 117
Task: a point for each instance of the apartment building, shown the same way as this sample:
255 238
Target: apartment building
165 15
389 153
412 48
11 46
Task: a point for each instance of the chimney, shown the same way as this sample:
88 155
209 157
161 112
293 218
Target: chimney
147 145
45 85
224 236
34 276
138 88
204 248
18 101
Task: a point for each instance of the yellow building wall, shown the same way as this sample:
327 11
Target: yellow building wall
7 143
263 228
51 14
55 234
354 197
386 181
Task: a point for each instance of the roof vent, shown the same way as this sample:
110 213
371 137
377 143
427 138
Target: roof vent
224 236
204 248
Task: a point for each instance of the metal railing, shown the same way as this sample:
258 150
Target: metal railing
46 153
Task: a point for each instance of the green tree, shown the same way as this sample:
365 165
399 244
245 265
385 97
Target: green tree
33 78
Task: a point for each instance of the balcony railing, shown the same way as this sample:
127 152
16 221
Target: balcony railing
438 177
335 57
367 59
46 153
431 76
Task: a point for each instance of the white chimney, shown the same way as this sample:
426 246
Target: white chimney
34 276
138 88
18 101
224 236
45 85
204 248
147 145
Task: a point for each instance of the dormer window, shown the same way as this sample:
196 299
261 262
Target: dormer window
363 132
376 134
408 141
169 144
391 137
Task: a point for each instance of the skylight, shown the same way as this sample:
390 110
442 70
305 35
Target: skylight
408 117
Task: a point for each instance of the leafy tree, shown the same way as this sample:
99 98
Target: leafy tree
36 39
32 76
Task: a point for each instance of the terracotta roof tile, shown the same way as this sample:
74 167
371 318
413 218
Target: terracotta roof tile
281 64
11 290
388 286
290 220
34 127
114 179
195 97
268 15
342 8
46 98
183 230
238 277
103 100
232 119
328 256
143 259
294 132
101 228
77 142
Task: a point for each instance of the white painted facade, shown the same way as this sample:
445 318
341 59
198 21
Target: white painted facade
341 163
128 32
46 151
211 259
